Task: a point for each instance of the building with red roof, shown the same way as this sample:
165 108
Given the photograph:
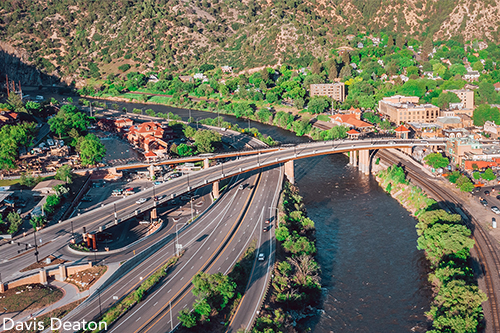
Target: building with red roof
350 120
149 135
402 132
353 134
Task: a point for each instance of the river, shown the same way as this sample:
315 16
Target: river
374 278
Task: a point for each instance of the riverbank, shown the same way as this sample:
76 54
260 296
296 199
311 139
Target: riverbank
295 288
302 126
446 242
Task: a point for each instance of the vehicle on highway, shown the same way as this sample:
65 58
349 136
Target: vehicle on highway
261 257
391 142
486 192
240 187
477 190
117 192
268 221
144 222
159 197
158 182
495 210
141 201
266 228
483 202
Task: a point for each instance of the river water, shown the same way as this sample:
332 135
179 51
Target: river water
374 278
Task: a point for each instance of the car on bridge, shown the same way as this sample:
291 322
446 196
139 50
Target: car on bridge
141 201
261 257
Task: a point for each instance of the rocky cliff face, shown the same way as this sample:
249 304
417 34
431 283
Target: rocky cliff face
14 64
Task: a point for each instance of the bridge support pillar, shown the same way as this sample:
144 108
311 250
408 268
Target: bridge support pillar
154 215
206 163
407 151
353 157
43 276
215 190
151 171
364 161
290 171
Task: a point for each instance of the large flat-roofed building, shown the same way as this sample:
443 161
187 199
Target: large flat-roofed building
332 90
406 109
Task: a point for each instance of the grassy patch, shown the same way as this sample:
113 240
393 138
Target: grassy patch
136 296
29 297
323 117
8 182
85 279
57 313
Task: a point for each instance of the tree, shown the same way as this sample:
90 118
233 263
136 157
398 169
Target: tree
15 221
332 72
488 175
65 173
205 139
345 72
33 107
51 203
436 160
485 113
445 98
282 233
445 239
189 131
184 150
464 184
187 318
318 104
16 103
453 177
91 150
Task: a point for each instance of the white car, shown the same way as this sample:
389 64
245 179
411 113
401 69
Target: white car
495 210
261 257
141 201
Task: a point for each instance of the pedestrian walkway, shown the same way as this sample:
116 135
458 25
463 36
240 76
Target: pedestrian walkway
71 294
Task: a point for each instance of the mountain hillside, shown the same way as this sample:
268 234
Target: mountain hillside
91 39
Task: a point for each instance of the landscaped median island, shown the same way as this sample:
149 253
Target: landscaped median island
218 296
447 243
295 288
136 296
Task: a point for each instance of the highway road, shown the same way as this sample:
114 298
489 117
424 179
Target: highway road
153 314
101 218
213 224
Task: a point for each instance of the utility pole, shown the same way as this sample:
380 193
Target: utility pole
36 246
192 199
7 84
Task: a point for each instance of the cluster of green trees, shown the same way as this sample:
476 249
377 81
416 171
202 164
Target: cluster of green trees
296 281
13 137
213 292
436 160
461 181
457 299
72 124
392 176
11 224
487 175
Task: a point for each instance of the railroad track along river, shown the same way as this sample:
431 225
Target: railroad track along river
488 256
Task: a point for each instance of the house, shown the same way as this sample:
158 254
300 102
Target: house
47 186
150 156
227 69
470 86
123 122
186 78
350 120
482 45
148 136
497 86
472 76
425 130
402 132
492 129
428 74
353 134
200 76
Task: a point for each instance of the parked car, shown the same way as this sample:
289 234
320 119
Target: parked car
158 182
495 210
483 202
141 201
261 257
486 192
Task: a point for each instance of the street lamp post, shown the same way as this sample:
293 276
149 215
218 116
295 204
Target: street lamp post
72 232
36 246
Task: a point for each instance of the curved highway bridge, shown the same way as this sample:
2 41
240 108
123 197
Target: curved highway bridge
109 215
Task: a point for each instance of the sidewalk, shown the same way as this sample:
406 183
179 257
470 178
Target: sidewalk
71 294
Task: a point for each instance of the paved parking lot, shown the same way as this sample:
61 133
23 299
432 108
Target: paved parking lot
492 196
